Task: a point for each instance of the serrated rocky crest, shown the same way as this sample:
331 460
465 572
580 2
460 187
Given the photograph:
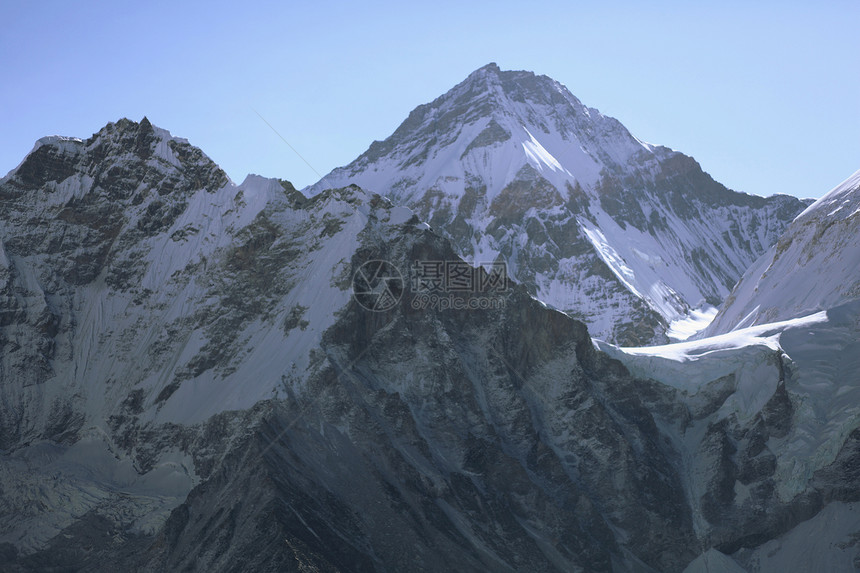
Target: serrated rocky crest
188 384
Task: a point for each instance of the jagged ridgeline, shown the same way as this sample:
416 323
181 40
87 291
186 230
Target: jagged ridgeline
187 381
209 395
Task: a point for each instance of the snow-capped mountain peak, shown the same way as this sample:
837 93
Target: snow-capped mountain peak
511 164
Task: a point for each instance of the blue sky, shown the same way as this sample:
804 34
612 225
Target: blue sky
765 97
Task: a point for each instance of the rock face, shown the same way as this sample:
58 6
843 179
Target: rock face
442 441
144 295
625 235
189 384
781 452
767 421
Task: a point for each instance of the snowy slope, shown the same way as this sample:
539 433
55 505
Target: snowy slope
814 266
778 407
626 235
161 278
827 542
141 293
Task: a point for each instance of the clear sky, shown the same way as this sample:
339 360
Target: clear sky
766 96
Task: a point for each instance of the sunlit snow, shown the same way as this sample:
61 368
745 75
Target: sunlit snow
611 257
685 327
539 156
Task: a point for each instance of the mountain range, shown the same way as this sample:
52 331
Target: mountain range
199 375
813 267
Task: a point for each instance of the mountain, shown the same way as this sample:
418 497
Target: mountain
813 267
624 235
147 304
766 423
793 437
188 384
132 257
203 376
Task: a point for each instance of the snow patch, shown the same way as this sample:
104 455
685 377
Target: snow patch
540 157
400 215
695 321
611 257
738 352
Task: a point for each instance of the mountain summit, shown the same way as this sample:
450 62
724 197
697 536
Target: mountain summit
622 234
